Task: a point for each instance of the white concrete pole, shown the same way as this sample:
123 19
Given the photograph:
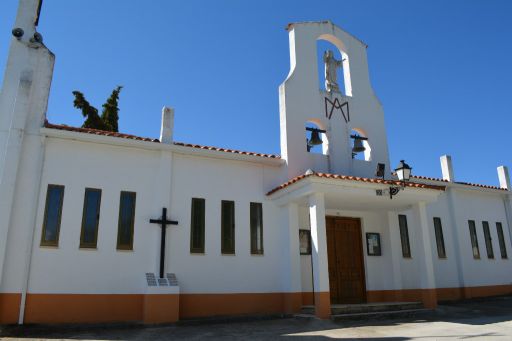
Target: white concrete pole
425 262
9 164
23 103
504 177
447 168
26 17
167 125
319 255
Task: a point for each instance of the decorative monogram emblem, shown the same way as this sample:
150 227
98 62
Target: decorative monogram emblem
331 105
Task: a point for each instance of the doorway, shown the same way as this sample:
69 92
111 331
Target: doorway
346 263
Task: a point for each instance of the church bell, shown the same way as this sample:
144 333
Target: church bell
358 145
315 139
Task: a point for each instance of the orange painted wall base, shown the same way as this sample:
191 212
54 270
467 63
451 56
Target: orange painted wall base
83 308
163 308
166 308
9 308
430 297
323 305
203 305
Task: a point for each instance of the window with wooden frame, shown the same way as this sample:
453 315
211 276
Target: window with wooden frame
438 229
501 239
228 227
474 239
126 222
90 218
488 240
197 223
404 236
52 215
256 228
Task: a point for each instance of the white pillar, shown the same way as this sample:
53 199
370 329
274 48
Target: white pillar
291 267
396 250
458 234
319 254
504 177
424 261
447 168
166 127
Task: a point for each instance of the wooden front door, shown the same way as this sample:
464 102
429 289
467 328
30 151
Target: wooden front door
345 257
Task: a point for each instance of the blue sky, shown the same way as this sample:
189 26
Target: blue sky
442 70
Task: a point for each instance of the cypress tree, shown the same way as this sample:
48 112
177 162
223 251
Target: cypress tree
91 113
110 114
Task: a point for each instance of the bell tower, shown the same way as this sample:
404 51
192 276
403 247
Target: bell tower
350 122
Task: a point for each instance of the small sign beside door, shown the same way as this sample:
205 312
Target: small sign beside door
373 244
305 242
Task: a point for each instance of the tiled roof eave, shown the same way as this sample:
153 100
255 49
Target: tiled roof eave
134 137
420 177
354 178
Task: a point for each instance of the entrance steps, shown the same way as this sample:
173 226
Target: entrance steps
368 310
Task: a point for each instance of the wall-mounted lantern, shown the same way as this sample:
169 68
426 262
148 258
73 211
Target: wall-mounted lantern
403 172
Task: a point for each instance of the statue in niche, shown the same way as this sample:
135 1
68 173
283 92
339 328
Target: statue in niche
331 68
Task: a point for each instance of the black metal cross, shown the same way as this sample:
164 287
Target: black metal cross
163 222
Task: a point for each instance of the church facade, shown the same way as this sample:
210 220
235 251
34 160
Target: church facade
176 231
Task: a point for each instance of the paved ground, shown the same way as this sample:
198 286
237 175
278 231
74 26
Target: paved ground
489 319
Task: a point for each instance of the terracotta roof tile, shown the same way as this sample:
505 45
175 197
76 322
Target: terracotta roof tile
354 178
234 151
480 185
97 132
428 178
133 137
457 182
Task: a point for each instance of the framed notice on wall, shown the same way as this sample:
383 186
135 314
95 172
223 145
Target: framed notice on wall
305 242
373 244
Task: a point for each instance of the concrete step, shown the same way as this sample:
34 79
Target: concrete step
308 310
365 308
380 315
340 309
302 316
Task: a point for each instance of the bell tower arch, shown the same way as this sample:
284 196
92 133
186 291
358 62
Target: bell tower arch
303 98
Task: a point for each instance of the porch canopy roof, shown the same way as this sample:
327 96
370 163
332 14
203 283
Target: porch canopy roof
352 192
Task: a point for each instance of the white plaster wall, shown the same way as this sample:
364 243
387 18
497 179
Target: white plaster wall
479 206
68 269
445 269
77 165
217 180
409 266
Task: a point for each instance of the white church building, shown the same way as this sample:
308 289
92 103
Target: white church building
176 231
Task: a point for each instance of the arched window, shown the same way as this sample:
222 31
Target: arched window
361 149
316 139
